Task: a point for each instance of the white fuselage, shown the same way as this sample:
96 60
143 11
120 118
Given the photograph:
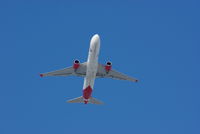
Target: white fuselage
92 62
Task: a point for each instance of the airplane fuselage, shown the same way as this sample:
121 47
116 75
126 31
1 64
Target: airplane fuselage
92 66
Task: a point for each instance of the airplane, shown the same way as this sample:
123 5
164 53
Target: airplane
90 70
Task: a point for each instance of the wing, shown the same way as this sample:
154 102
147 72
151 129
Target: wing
81 71
101 73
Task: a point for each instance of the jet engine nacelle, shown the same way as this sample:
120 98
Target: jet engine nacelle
76 64
108 66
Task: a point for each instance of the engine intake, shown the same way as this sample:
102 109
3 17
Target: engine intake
77 61
109 63
76 64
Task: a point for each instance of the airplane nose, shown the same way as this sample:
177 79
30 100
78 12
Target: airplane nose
95 39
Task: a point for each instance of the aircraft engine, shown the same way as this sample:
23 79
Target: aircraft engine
76 64
108 66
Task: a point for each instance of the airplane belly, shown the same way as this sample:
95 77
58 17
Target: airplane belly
92 63
90 75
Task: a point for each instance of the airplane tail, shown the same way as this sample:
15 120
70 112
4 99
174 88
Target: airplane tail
81 100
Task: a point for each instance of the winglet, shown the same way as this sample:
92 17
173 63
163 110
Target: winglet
41 75
136 80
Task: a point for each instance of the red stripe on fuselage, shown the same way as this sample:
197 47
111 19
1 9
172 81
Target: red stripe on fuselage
87 92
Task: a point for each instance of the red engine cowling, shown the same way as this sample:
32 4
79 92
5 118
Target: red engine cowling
108 66
76 64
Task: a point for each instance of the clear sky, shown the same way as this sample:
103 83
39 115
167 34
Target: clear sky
155 41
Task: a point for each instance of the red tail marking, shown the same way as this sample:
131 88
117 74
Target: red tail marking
85 102
87 92
41 75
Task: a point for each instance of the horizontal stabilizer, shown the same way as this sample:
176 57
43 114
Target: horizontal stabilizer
76 100
94 101
82 100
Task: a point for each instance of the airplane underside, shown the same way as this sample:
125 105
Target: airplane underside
90 70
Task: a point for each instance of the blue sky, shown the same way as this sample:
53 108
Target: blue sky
155 41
